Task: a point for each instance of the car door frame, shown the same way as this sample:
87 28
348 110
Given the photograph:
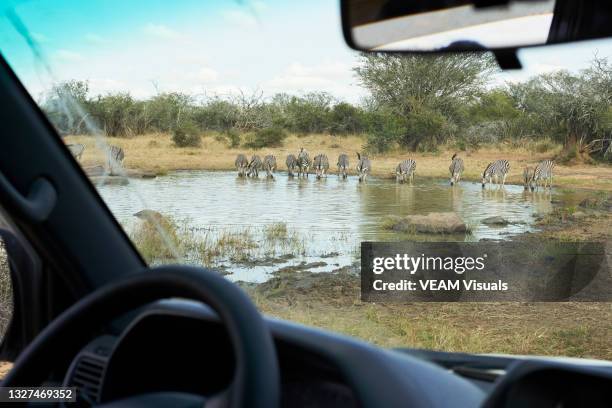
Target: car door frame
57 209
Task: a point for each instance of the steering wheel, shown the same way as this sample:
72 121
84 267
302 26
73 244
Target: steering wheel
256 379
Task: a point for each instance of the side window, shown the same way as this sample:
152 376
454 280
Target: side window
6 295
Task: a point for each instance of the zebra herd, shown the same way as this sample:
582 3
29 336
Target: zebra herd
533 178
114 155
301 164
494 173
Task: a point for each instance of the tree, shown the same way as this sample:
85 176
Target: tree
402 81
572 107
409 85
66 106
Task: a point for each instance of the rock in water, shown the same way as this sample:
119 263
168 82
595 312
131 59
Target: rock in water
432 223
149 215
497 220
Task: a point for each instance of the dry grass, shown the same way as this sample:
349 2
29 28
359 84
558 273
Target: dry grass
156 152
555 329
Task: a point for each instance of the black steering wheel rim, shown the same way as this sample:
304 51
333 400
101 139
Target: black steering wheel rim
256 380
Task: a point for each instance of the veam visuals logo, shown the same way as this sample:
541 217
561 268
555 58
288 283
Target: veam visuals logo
484 271
413 264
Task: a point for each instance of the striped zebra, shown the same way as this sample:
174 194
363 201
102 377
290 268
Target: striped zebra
497 170
291 163
456 169
542 175
303 162
114 158
527 176
77 150
405 170
320 164
363 167
343 165
242 164
269 165
254 166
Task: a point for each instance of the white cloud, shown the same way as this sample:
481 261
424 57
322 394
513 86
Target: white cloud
161 31
95 39
206 75
69 56
327 76
259 6
241 18
39 38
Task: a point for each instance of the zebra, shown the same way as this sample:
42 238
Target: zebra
291 163
254 166
114 158
269 165
343 165
527 175
241 164
405 170
320 164
496 170
456 169
303 162
543 174
363 167
77 150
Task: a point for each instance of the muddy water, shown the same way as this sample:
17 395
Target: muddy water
326 219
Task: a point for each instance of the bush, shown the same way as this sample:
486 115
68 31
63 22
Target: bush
269 137
233 137
309 113
186 135
384 129
346 119
217 114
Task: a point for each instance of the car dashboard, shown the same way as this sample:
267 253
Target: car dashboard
181 346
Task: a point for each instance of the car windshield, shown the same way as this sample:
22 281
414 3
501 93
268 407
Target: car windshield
246 137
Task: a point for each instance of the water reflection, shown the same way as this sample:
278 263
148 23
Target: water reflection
331 214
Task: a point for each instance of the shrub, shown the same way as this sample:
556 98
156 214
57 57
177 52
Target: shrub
384 129
269 137
186 135
345 119
233 137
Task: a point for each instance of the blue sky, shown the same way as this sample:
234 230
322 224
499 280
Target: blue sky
208 47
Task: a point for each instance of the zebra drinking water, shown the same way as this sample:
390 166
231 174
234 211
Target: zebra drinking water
456 169
291 163
77 150
543 174
269 165
405 170
241 164
497 170
303 162
254 166
363 167
527 176
320 164
343 165
114 158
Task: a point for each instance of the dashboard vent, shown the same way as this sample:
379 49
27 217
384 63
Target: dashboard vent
87 377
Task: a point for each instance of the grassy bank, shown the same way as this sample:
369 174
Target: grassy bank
332 301
157 153
557 329
575 329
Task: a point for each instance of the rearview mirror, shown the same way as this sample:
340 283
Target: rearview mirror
463 25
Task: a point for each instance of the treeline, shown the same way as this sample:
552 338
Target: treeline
414 103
